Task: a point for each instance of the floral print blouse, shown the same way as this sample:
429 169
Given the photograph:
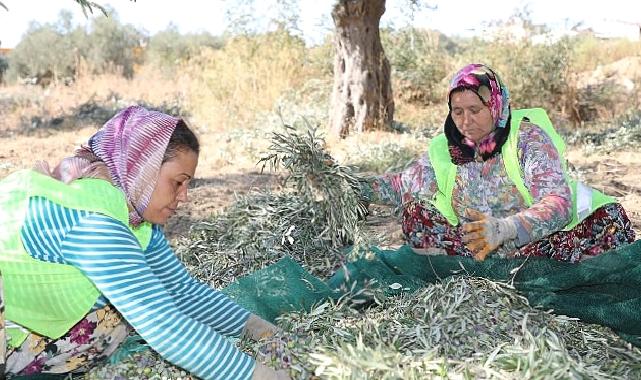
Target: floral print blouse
486 187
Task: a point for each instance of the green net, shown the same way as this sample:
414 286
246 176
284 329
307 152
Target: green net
277 289
604 290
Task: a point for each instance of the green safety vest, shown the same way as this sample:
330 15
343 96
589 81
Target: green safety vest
43 297
584 199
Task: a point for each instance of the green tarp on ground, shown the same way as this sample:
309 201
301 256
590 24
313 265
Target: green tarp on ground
277 289
604 290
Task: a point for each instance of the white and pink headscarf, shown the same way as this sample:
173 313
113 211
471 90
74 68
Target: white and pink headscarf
127 151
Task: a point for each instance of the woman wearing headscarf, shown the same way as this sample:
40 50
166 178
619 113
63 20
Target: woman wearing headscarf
494 182
83 258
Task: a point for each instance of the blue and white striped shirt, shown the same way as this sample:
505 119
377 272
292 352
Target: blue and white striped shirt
182 319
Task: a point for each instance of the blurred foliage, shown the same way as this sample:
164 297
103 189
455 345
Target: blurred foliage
537 75
590 51
169 48
420 64
542 73
235 79
624 132
106 46
248 75
245 18
48 47
603 100
321 57
111 45
539 68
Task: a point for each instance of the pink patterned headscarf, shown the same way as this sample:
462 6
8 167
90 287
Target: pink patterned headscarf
127 151
487 84
492 91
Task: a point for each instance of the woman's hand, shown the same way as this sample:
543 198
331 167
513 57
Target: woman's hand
257 328
486 233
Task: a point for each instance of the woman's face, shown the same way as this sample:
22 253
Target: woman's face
171 188
472 118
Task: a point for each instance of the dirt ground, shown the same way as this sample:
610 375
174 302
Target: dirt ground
617 173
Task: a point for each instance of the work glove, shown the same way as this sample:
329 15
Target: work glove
262 372
257 328
486 233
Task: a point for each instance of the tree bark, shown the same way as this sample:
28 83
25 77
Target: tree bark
362 94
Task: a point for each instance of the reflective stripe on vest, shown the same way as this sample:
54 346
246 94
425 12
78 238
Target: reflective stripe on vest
584 199
49 298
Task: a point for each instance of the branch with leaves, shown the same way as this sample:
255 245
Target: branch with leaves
332 188
89 6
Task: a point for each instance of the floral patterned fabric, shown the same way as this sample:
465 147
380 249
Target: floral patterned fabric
608 227
92 339
485 186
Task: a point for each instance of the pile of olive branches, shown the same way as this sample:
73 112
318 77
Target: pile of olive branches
317 214
461 328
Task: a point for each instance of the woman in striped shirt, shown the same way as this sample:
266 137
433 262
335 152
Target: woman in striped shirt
83 258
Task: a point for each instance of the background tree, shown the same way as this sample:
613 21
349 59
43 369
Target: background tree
113 45
169 47
362 93
362 96
107 46
44 48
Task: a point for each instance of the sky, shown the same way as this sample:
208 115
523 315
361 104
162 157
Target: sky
453 17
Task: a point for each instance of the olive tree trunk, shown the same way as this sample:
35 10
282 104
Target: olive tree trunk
362 94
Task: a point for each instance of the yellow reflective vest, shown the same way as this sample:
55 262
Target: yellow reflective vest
49 298
584 199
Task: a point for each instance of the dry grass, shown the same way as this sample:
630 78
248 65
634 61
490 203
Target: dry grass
590 52
246 77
